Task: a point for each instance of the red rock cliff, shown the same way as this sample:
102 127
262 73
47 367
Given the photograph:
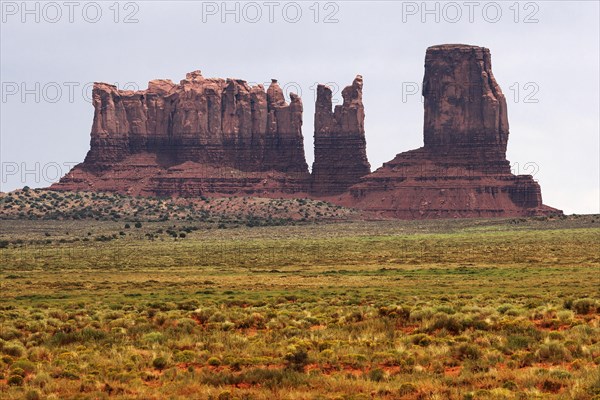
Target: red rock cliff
214 121
199 137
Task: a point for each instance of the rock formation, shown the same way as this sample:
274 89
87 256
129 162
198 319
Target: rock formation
214 121
340 146
465 110
461 171
181 139
218 137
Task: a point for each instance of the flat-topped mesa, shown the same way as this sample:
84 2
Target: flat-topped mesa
340 145
215 121
465 110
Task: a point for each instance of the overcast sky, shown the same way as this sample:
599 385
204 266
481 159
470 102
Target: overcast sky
545 56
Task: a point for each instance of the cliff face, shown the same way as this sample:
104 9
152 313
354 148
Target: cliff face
201 136
465 110
461 171
464 105
340 146
213 121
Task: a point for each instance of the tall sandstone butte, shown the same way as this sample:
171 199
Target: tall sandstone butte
340 145
461 171
465 110
201 136
214 121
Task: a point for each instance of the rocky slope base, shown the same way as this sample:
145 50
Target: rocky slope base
39 204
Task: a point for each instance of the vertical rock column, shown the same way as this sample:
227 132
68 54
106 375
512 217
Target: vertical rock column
284 143
340 146
465 110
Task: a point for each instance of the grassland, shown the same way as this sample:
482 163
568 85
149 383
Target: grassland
467 309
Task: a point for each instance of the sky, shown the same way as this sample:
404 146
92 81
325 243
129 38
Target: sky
545 56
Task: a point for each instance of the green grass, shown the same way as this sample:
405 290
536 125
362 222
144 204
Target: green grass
468 309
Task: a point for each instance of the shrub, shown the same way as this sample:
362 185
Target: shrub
402 313
327 353
407 388
274 379
556 336
377 375
552 385
153 337
568 303
68 373
477 365
553 352
227 325
10 334
267 378
226 395
444 321
24 365
184 356
214 361
510 385
518 342
504 308
421 339
565 316
420 315
13 350
18 372
560 374
33 395
15 380
584 306
159 363
40 380
595 387
63 338
91 335
217 317
89 385
467 351
296 359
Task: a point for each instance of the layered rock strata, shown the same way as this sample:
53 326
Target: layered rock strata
222 137
340 145
462 170
143 141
